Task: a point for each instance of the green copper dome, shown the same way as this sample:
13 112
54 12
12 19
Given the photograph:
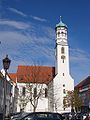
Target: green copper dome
61 24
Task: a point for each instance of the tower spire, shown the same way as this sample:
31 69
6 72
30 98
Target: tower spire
61 24
60 18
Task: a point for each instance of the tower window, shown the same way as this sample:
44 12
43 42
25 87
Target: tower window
62 33
63 85
64 91
63 74
63 60
62 50
58 34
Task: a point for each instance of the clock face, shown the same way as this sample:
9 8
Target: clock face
62 57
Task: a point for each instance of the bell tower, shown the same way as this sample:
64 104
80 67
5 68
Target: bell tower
63 81
62 55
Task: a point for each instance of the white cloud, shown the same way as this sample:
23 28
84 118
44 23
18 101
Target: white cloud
18 25
17 11
24 15
79 55
38 18
28 45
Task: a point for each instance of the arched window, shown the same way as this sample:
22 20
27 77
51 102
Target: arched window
62 50
62 33
58 34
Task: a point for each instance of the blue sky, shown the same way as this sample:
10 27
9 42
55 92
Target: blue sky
27 33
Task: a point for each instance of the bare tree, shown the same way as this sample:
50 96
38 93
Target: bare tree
22 101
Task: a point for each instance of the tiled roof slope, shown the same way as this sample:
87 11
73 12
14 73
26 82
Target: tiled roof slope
84 82
13 76
34 74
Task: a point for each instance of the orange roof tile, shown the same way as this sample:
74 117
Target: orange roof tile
13 76
33 74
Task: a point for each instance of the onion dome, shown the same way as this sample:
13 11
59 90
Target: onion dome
61 24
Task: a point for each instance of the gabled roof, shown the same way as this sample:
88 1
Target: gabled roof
34 74
84 82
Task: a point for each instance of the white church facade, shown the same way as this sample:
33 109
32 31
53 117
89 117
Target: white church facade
56 80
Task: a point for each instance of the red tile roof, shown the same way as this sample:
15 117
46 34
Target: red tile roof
84 82
13 76
34 74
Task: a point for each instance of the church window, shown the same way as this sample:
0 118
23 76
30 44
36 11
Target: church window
46 92
23 91
35 92
62 50
63 85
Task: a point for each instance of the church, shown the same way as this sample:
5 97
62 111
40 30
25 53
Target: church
43 88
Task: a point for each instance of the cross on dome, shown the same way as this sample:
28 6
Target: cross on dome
60 18
61 24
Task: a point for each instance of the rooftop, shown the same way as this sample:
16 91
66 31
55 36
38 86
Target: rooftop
84 82
33 74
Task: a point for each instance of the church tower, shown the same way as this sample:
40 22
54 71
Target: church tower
63 81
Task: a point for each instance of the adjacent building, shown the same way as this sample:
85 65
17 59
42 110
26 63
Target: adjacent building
84 92
8 96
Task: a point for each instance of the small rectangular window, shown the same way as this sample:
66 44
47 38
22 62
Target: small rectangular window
63 60
23 91
35 92
64 91
62 50
46 92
